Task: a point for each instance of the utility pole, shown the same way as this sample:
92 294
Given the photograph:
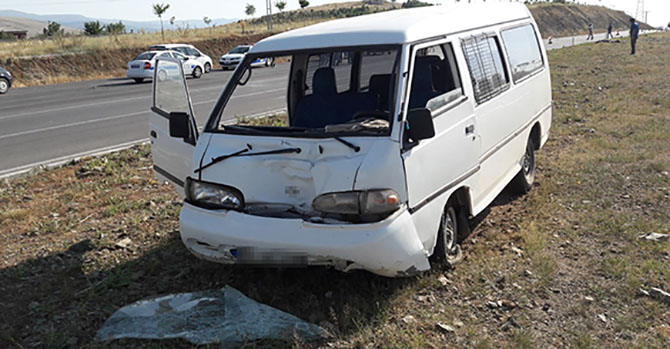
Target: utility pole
268 4
639 13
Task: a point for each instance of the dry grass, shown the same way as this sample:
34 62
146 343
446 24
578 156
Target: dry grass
555 259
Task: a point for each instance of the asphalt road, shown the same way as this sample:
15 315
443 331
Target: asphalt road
51 124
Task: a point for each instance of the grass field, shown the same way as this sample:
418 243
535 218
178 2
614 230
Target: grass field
559 267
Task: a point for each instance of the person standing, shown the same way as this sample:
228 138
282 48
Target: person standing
609 31
590 37
634 33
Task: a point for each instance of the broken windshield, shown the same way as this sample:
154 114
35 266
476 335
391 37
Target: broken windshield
312 94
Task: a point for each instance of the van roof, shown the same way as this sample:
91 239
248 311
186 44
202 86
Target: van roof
171 45
394 27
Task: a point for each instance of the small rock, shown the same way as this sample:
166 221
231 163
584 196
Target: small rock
589 299
508 304
445 328
602 318
124 243
408 319
654 237
528 273
458 323
492 305
518 251
443 280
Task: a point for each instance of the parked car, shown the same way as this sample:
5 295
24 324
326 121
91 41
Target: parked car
189 51
231 59
5 81
142 67
380 160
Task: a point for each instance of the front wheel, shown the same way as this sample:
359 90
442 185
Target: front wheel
197 72
4 86
208 67
453 227
523 181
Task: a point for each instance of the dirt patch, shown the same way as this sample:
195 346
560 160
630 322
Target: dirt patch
559 267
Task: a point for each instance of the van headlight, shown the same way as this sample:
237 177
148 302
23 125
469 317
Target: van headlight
364 203
213 196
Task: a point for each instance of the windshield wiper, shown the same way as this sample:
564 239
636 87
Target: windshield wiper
244 152
348 144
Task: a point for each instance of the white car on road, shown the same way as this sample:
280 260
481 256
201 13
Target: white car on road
142 67
187 50
231 59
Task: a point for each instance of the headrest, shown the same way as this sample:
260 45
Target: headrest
323 82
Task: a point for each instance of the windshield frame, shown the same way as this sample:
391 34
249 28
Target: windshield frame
212 125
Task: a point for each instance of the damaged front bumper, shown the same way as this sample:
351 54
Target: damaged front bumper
389 248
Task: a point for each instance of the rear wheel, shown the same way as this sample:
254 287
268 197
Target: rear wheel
197 72
453 227
208 67
524 180
4 85
138 80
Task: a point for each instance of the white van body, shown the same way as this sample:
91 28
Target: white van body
469 101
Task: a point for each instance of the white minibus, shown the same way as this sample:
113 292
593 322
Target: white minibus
369 146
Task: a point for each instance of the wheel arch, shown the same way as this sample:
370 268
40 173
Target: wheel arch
536 135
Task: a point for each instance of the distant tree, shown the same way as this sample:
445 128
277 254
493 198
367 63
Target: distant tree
115 28
172 19
52 29
207 20
159 10
303 3
250 10
93 28
415 3
280 5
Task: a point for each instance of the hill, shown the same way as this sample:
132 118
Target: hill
569 19
34 27
77 21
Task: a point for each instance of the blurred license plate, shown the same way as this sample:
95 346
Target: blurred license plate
250 255
135 66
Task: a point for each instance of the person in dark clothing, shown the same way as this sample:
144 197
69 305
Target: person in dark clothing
590 37
609 31
634 33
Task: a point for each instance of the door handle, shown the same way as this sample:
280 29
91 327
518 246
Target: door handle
470 129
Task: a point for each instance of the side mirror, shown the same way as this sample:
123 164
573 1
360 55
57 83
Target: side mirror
420 124
180 125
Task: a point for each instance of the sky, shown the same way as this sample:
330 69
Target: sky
140 10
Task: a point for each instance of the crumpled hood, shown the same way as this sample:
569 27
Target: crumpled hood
322 166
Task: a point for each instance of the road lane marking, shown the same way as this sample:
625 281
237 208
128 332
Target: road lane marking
50 128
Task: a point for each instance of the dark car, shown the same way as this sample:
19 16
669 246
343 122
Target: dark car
5 81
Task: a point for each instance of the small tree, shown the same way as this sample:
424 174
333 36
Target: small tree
52 29
280 5
159 10
116 28
250 10
93 28
207 20
303 3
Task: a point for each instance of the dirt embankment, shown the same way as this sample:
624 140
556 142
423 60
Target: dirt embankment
568 19
102 63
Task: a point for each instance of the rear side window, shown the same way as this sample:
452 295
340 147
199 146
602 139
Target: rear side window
487 71
145 56
523 51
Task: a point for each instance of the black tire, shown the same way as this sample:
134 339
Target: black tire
4 86
208 68
453 228
523 181
138 80
197 73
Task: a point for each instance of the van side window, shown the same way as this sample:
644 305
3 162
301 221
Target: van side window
340 62
523 51
435 80
487 71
